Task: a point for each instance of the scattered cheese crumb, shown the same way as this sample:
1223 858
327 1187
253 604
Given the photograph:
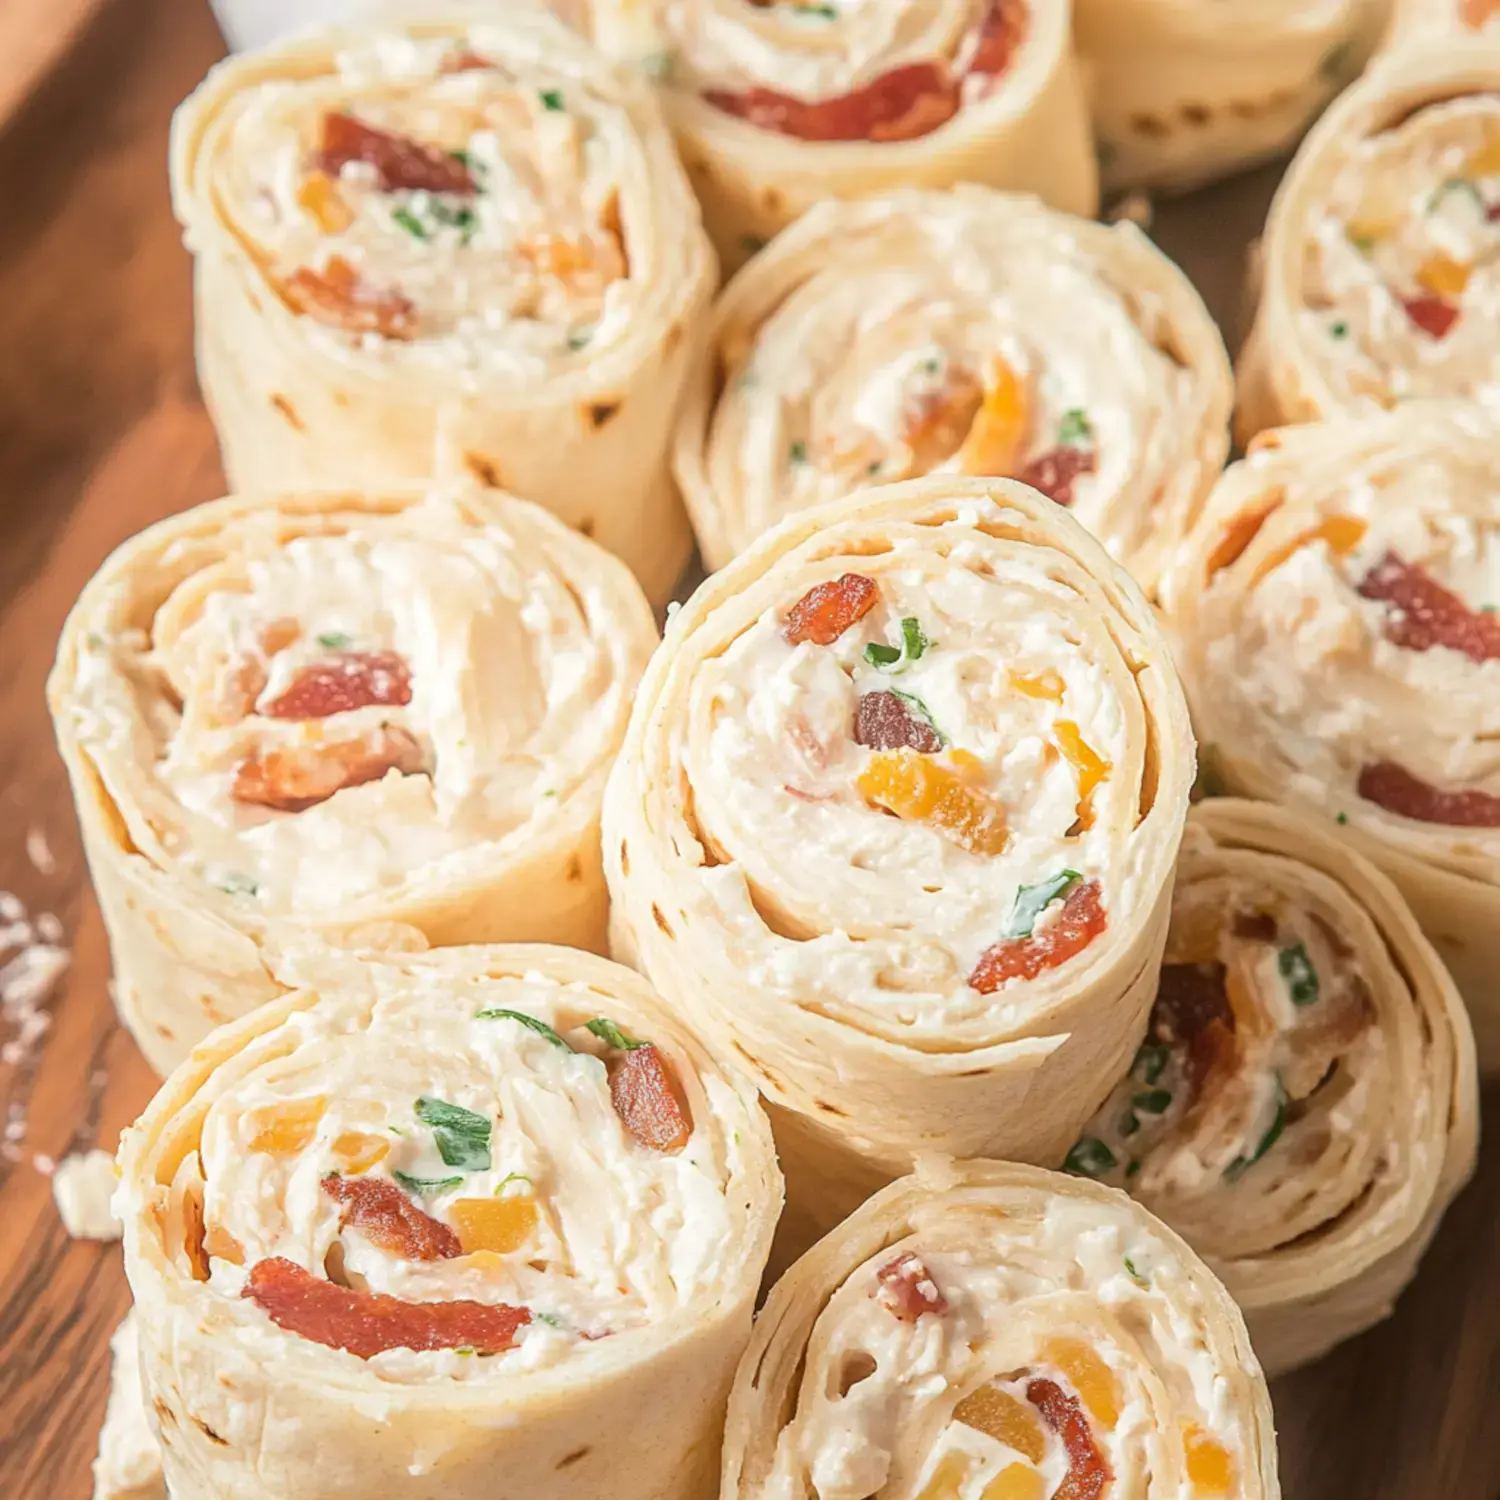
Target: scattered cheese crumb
129 1463
83 1186
39 851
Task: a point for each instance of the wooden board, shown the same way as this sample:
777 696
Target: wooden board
100 433
35 35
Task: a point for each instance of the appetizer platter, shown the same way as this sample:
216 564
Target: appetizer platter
778 836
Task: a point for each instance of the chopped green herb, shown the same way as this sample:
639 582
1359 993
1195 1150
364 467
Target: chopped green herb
552 99
1338 64
425 1186
1237 1168
1153 1101
1151 1061
395 1130
580 337
873 467
1129 1125
1339 330
611 1035
550 1319
752 242
1132 1167
1074 431
1134 1275
921 710
1341 818
823 12
1033 900
1089 1157
463 159
540 1027
410 222
913 643
462 218
234 884
463 1353
657 65
463 1138
509 1178
1455 185
932 366
1488 609
1301 978
334 640
1364 243
550 792
797 453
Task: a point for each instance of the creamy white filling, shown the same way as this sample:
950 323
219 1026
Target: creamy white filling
625 1235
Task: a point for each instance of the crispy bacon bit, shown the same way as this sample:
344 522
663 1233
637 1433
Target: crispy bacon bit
1426 614
1254 926
338 295
647 1099
1053 472
1395 789
296 777
884 722
905 1289
827 610
1081 919
1435 316
387 1217
342 683
1088 1473
401 162
1000 35
368 1323
1192 1009
901 105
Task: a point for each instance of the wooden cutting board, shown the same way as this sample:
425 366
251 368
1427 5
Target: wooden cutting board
35 35
101 433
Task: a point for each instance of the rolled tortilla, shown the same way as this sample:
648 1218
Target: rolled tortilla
1380 274
1182 94
480 1212
1423 20
965 331
989 1329
894 824
780 104
1331 623
1305 1105
381 719
128 1465
444 249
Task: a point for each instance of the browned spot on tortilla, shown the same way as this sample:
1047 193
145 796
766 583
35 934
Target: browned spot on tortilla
209 1433
575 869
483 469
1150 125
600 412
287 410
661 921
586 526
573 1457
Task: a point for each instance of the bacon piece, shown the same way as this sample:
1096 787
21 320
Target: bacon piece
368 1323
337 295
908 102
1053 472
400 161
388 1218
1088 1472
350 680
1080 921
884 722
905 1288
1433 315
1000 34
827 610
296 777
1426 614
647 1099
1395 789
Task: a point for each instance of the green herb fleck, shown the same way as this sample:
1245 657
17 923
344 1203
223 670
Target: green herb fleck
509 1178
1129 1125
1075 431
1033 900
550 1319
1153 1101
1341 818
552 99
463 159
1151 1061
920 709
1089 1157
897 658
334 640
463 1353
1301 978
1134 1275
1339 330
823 12
797 453
425 1186
1132 1167
1237 1168
463 1138
234 884
611 1035
657 66
1338 64
540 1027
580 337
410 222
1488 609
1364 243
752 243
462 218
873 467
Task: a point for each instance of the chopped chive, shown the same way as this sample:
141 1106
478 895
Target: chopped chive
1301 978
1134 1275
463 1138
1237 1168
611 1034
550 1319
540 1027
1340 329
797 453
1341 818
1075 431
822 11
879 655
234 884
552 99
410 222
921 710
424 1186
579 338
1150 1061
335 640
1132 1167
1153 1101
1089 1157
1033 900
509 1178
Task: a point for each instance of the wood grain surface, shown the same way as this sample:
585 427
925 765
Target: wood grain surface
101 432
